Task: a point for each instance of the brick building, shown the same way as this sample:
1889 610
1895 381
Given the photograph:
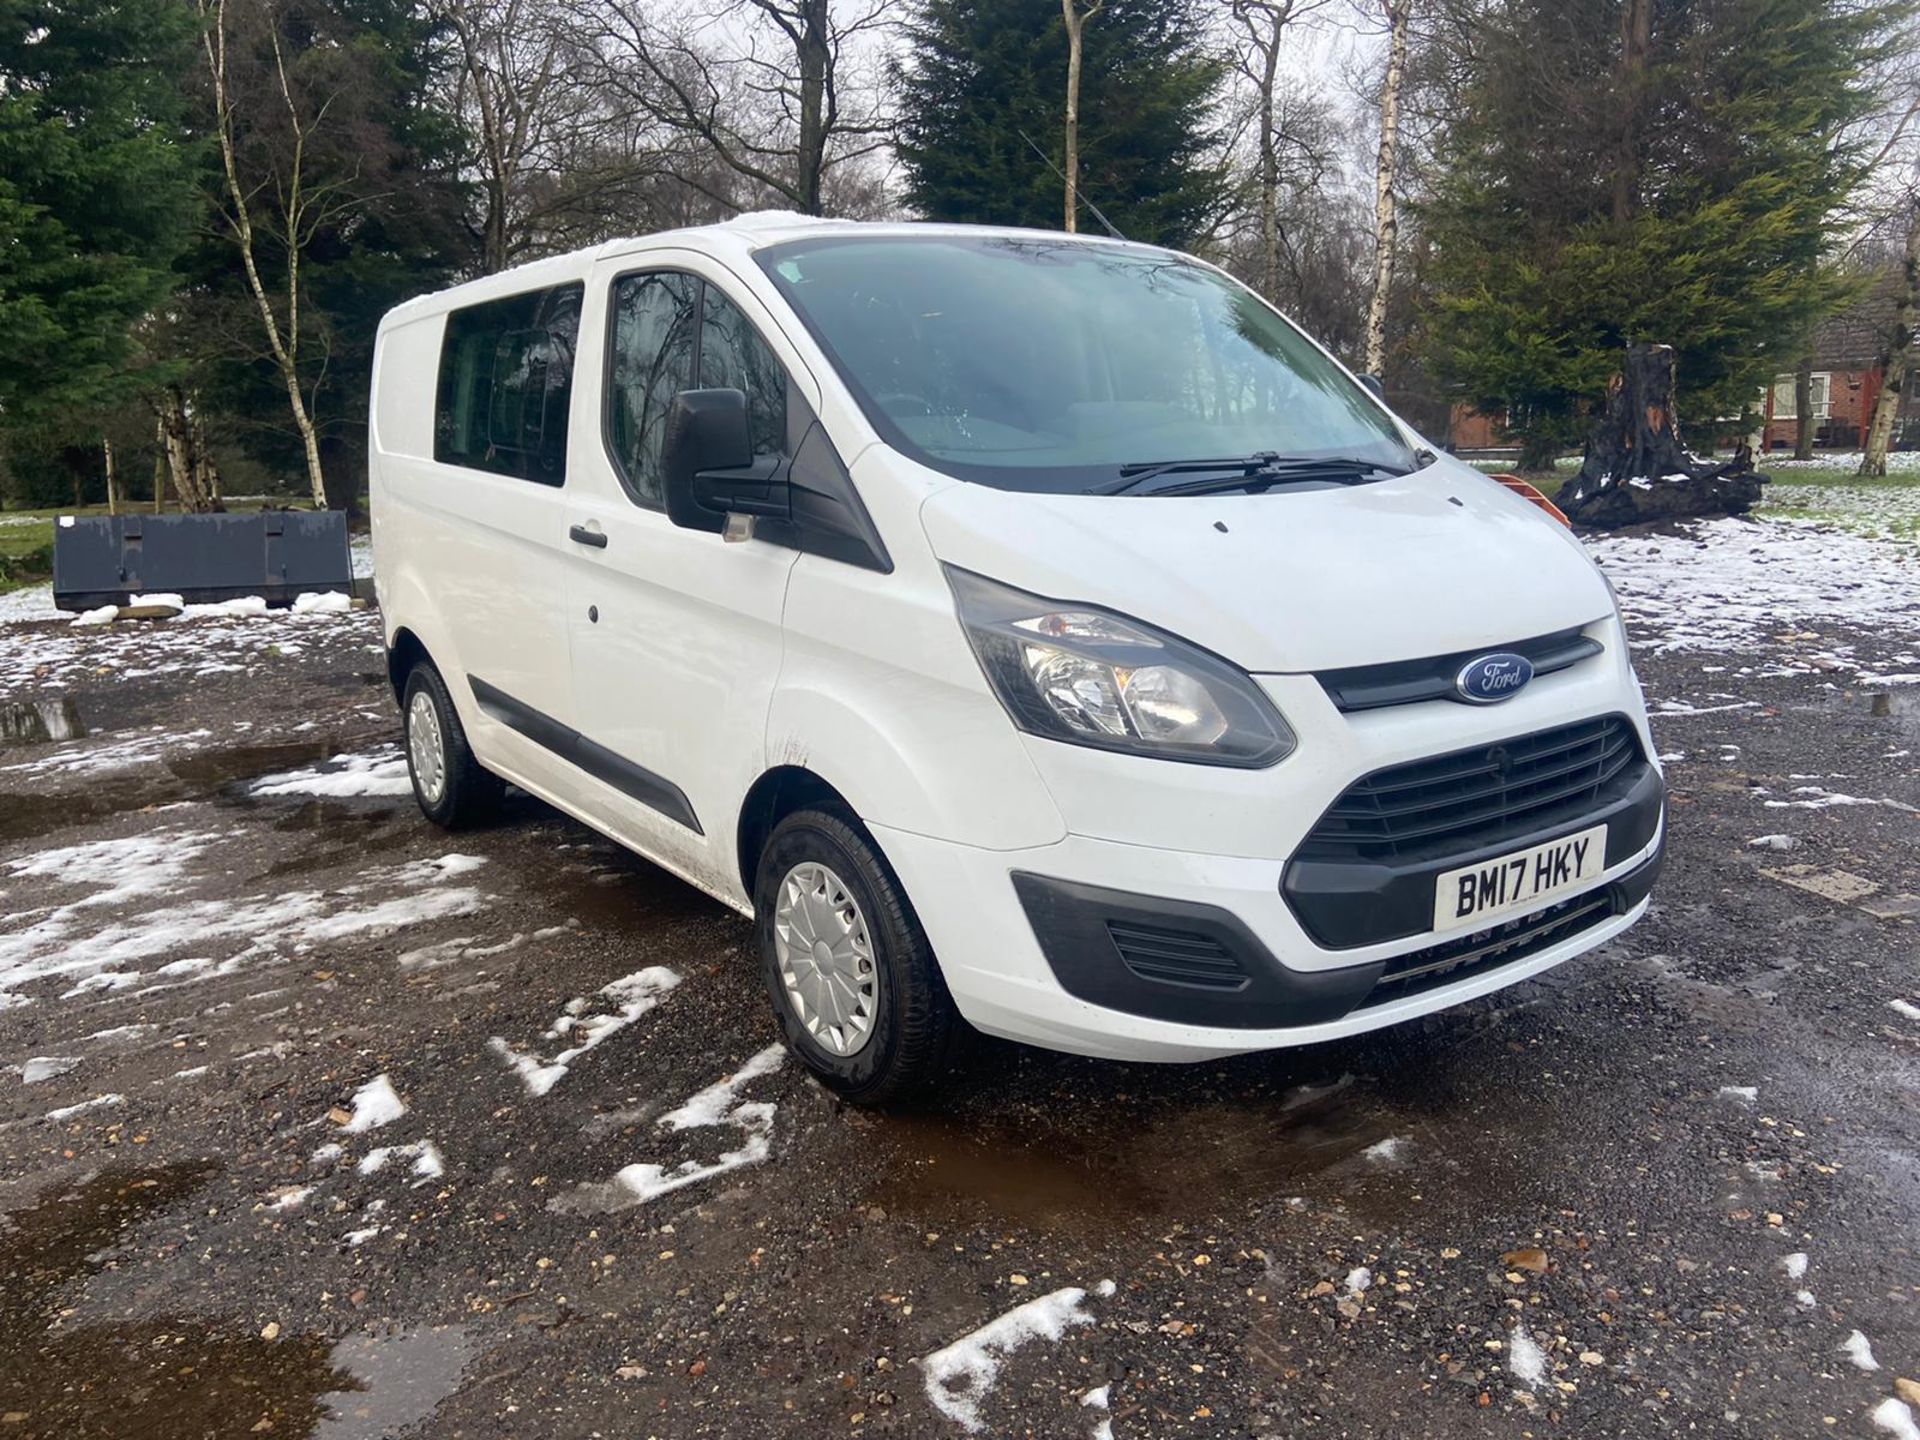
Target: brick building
1845 382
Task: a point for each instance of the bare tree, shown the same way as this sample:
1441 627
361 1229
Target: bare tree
1386 220
1897 360
298 208
1259 26
1076 13
510 86
765 87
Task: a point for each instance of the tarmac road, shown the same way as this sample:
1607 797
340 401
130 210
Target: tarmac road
1654 1192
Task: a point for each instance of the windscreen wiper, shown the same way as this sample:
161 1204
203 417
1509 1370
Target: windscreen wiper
1259 471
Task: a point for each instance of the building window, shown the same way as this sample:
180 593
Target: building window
1820 390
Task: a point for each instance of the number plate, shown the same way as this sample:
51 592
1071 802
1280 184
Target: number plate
1495 889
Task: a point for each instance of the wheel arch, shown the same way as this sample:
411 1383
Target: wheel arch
404 651
778 793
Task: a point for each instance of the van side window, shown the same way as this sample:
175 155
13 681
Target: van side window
734 357
655 330
506 380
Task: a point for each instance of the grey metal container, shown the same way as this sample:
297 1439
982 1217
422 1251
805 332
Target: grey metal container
275 554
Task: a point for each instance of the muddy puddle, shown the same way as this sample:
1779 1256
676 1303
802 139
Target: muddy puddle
183 1377
40 722
196 775
1147 1164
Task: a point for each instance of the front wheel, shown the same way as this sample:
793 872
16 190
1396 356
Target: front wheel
453 790
855 985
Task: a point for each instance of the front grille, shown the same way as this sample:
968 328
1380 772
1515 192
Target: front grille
1483 950
1461 802
1408 682
1176 957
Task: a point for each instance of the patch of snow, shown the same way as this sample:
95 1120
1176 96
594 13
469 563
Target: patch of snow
325 602
1795 1265
1359 1280
428 1163
327 1154
1896 1418
717 1105
121 1032
99 1102
1746 1094
375 1103
45 1067
193 1074
99 616
291 1198
588 1027
1859 1350
1905 1008
379 772
960 1376
1773 842
1382 1152
1525 1358
357 1238
1813 797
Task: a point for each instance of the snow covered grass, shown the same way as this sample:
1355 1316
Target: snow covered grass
588 1025
1759 592
960 1376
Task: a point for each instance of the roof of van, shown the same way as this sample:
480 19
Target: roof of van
738 237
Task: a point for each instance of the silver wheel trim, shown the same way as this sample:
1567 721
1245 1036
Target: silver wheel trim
825 957
426 748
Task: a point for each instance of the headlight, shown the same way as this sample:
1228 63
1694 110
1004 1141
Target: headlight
1090 677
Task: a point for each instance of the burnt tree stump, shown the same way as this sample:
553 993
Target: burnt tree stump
1636 467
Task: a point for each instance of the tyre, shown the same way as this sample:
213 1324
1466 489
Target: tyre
453 790
855 984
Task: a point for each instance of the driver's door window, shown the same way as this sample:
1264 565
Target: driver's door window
655 336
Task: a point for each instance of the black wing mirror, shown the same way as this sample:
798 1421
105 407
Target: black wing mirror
708 465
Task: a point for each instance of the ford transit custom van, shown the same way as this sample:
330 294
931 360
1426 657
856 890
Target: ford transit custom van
1029 632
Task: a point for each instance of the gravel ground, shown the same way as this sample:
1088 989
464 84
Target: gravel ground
312 1114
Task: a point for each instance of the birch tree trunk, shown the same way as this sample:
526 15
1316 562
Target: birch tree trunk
189 466
1898 362
283 345
113 478
1386 219
1076 19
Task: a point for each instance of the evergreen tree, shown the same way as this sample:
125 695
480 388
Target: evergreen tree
1641 170
96 194
983 78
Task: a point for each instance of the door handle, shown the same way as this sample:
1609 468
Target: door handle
582 535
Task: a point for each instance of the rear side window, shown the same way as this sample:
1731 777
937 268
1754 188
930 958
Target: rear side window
506 379
674 332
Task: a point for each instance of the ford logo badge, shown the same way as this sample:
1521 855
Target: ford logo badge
1489 679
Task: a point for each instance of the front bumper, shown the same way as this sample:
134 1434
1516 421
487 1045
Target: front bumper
1015 933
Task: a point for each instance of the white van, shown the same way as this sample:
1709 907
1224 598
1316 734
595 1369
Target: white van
1024 629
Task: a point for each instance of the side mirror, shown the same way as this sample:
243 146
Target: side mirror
1372 382
707 464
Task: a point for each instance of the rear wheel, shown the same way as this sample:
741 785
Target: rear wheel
453 790
856 987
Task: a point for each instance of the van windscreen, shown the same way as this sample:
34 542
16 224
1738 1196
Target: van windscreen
1031 363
